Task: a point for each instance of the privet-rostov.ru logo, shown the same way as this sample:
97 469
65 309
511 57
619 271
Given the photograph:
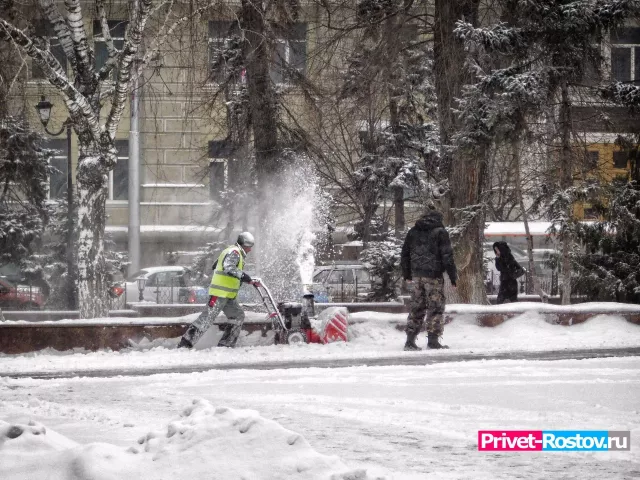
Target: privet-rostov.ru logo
553 440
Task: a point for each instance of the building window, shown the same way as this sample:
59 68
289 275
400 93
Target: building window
59 161
224 49
119 176
289 57
51 43
117 28
590 213
625 54
222 168
620 160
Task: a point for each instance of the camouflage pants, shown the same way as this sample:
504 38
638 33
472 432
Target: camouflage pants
233 325
427 298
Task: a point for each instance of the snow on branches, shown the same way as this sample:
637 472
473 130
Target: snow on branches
24 173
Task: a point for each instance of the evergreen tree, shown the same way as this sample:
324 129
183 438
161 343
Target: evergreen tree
24 213
390 74
530 66
382 259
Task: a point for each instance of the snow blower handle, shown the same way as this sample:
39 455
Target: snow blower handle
256 281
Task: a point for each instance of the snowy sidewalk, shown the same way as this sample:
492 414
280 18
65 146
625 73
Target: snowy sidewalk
372 336
414 359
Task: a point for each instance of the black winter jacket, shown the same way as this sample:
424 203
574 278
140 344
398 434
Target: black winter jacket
427 250
508 267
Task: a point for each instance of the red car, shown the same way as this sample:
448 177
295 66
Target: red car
20 297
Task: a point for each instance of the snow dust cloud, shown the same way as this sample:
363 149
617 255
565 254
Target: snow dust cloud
285 243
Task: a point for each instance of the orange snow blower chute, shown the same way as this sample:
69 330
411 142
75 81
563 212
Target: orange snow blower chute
296 322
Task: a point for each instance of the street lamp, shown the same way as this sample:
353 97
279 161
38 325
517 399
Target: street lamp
141 283
44 108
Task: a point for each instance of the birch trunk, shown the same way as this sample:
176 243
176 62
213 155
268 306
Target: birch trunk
92 196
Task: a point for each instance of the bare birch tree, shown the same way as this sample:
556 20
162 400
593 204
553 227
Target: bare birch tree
96 99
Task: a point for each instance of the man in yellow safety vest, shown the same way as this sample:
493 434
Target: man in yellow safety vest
223 292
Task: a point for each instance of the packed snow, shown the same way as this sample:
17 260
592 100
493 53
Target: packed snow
396 422
204 441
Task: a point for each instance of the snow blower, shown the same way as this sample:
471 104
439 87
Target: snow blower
296 322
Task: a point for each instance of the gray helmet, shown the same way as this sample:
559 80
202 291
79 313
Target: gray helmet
245 239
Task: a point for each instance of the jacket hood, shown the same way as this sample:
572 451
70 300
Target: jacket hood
429 221
503 248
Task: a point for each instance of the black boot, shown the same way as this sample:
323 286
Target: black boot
434 342
410 344
187 339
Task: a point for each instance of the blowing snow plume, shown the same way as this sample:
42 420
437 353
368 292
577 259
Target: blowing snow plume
286 256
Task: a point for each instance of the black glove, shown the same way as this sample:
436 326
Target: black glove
245 278
453 284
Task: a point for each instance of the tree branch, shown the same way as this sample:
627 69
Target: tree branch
162 35
139 17
84 52
62 31
106 34
78 106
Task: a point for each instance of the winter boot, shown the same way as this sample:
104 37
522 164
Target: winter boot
187 339
230 336
410 345
434 342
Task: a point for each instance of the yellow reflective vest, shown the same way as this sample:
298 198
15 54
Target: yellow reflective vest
223 285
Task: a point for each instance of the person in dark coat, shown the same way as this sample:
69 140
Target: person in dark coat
509 270
426 255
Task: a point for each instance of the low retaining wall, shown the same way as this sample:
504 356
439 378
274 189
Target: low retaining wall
33 336
21 337
491 316
18 338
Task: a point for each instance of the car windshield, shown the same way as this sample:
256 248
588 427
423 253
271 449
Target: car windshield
319 277
132 278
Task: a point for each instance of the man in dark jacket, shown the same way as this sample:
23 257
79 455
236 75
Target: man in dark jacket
509 270
426 255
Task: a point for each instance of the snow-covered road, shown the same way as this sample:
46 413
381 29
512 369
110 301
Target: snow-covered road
393 422
397 422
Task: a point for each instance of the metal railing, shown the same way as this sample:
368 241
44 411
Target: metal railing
548 283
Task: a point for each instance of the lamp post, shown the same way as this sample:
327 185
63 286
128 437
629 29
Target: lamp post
44 108
141 283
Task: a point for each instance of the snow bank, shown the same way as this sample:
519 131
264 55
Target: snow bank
588 307
203 442
371 335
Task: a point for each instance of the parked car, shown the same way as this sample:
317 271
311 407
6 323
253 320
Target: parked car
341 283
20 297
164 284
